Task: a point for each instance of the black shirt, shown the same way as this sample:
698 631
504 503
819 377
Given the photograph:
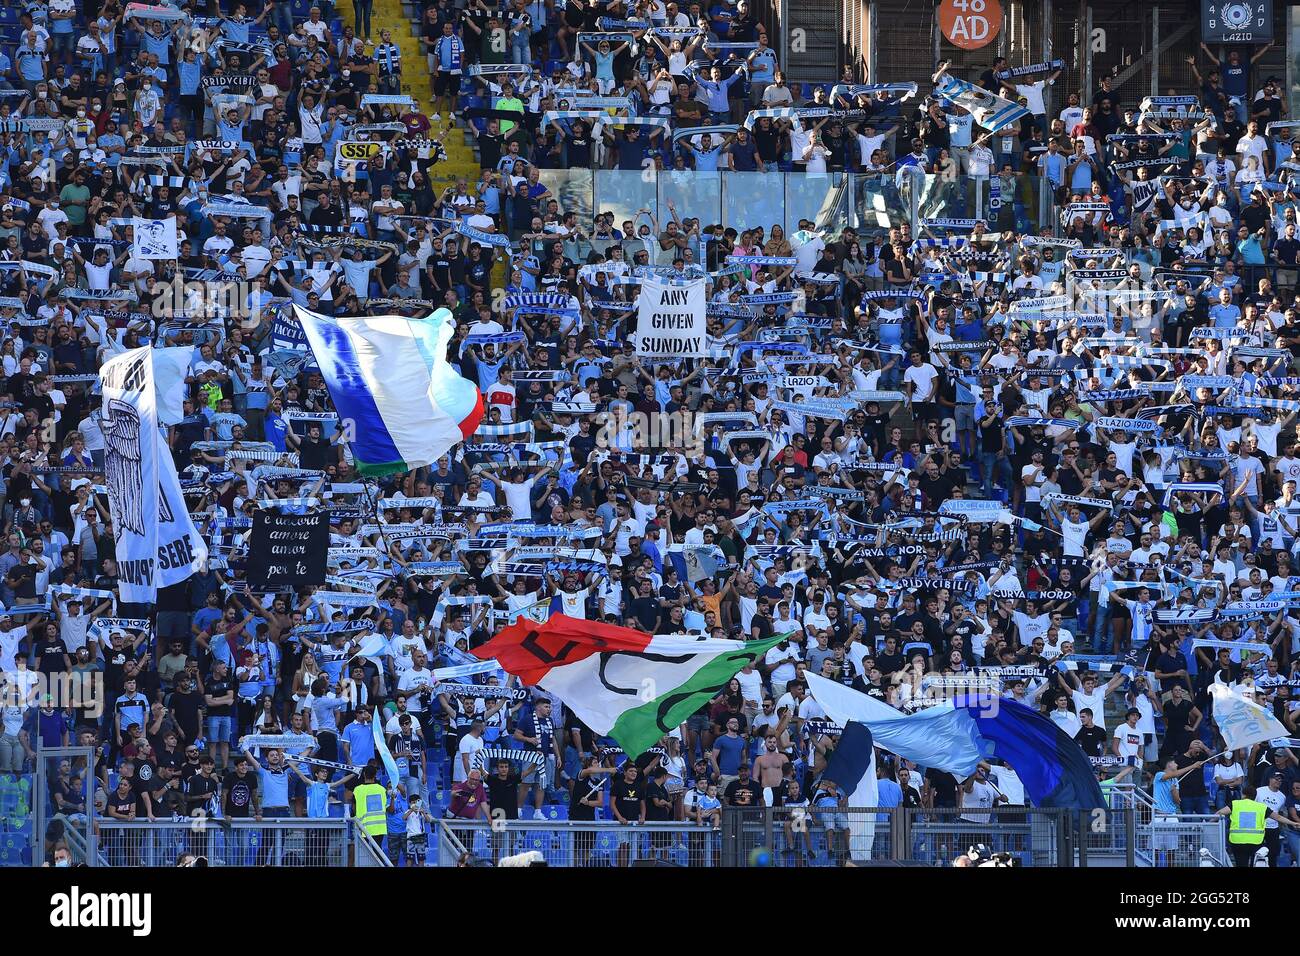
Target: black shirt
123 805
49 656
185 708
503 795
1092 740
586 788
944 786
657 791
1190 784
743 793
627 798
239 794
219 688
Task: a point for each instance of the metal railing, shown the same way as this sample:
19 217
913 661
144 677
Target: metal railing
1132 832
768 837
1184 840
576 843
299 841
368 852
779 836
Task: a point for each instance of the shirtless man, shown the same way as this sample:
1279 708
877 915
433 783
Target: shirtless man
769 771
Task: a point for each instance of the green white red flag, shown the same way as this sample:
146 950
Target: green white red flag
622 683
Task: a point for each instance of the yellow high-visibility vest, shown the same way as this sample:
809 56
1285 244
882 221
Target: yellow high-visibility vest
1247 822
372 808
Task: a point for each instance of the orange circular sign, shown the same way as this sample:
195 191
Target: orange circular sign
970 24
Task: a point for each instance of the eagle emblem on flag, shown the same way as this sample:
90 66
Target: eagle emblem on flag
122 466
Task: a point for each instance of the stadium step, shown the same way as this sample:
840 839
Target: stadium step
417 83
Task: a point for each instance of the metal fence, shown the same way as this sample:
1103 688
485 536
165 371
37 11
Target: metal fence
1184 840
297 842
780 836
575 843
368 852
1131 832
785 837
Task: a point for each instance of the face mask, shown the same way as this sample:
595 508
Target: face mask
41 94
63 862
81 114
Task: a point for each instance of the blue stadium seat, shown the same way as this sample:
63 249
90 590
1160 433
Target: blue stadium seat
9 13
14 852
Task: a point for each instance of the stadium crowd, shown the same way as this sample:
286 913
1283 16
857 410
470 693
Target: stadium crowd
1060 465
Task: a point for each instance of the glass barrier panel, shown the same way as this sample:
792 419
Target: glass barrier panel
814 196
876 204
625 192
752 199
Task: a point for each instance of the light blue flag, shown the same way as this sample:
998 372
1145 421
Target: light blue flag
696 562
941 737
381 748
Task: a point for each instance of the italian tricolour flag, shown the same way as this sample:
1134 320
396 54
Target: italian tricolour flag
622 683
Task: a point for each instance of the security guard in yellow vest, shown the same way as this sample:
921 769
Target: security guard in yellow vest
1246 819
371 805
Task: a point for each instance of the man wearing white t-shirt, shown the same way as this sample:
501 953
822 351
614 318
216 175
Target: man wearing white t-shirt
1033 92
1086 694
919 381
470 744
807 246
1253 144
751 687
976 795
1288 466
1126 741
780 661
869 141
1075 527
415 681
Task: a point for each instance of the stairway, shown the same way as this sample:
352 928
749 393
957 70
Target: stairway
417 83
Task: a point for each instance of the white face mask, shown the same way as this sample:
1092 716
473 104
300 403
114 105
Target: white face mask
41 94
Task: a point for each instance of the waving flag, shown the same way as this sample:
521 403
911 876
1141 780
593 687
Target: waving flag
990 110
955 737
390 379
632 686
852 766
1242 722
395 778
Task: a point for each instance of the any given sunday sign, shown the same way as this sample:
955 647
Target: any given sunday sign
671 319
970 24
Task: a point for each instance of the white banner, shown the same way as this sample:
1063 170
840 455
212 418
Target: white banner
154 238
157 544
671 319
170 367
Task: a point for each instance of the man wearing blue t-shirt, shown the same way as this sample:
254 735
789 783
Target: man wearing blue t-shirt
358 740
1224 314
728 754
